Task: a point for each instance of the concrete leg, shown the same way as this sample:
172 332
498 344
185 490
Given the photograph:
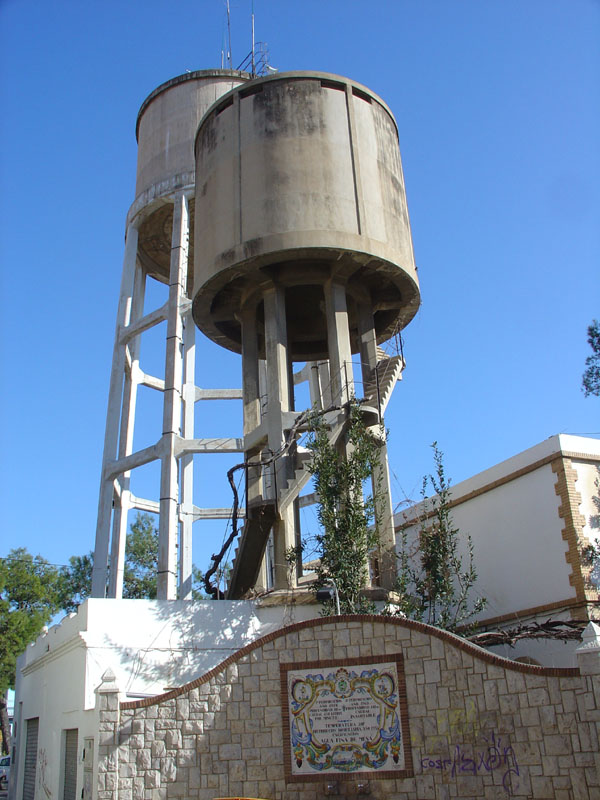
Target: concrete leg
384 512
251 397
384 518
314 386
250 372
122 503
111 435
169 479
279 401
367 342
325 383
338 342
187 461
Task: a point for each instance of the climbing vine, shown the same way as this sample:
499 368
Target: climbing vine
346 536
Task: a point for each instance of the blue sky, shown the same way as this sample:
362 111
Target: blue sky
498 113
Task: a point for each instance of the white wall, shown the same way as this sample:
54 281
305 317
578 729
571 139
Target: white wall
516 530
150 645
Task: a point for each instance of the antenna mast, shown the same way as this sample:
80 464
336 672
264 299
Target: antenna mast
253 61
229 36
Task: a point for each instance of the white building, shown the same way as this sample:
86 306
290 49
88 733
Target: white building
149 645
529 518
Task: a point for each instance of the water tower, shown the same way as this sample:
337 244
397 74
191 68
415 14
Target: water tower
158 246
302 262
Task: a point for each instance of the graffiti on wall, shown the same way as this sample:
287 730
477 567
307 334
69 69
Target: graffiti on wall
493 756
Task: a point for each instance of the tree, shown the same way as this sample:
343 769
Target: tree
347 536
141 559
75 582
433 583
591 377
140 572
29 598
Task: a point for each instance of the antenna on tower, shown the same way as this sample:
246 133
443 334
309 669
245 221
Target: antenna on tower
229 36
253 61
257 60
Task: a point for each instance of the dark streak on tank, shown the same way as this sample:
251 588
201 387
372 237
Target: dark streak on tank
288 109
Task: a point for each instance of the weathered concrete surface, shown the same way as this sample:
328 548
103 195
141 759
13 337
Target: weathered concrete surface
297 175
166 127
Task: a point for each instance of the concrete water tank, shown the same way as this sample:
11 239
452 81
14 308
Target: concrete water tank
166 126
298 175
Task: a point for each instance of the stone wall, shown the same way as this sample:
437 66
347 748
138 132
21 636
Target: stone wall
477 725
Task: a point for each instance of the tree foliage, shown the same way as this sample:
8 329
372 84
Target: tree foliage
435 580
32 591
140 570
345 516
141 559
75 582
29 598
591 377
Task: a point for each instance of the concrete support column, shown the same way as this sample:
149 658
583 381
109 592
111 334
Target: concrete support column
187 461
384 518
250 376
111 435
278 389
169 479
384 511
338 342
251 397
121 499
314 385
367 342
325 384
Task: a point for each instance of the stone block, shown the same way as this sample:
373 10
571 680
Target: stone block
173 739
271 755
530 716
431 697
219 737
325 649
182 708
541 787
237 770
475 684
168 769
214 702
425 787
548 719
490 691
177 789
515 681
228 752
556 744
138 789
143 759
186 758
274 772
152 779
509 704
550 766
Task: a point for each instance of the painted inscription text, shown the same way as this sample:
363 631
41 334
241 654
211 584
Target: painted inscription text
345 719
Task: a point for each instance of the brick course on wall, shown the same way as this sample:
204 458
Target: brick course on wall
480 726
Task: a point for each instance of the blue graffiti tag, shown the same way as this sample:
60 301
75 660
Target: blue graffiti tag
490 758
